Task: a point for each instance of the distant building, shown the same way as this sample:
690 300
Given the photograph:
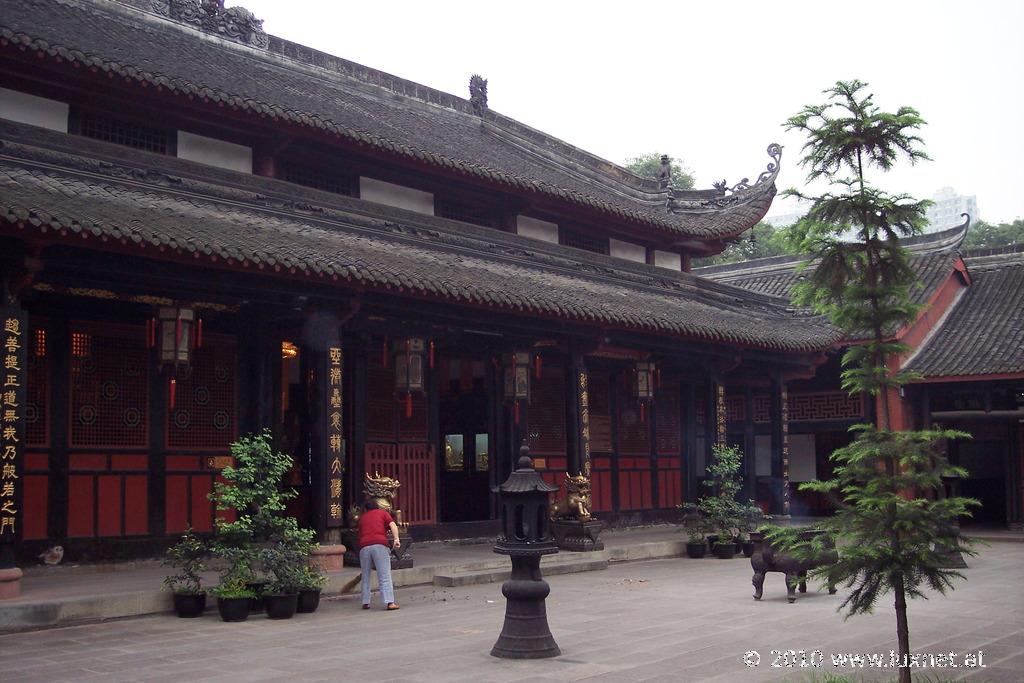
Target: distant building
947 207
798 209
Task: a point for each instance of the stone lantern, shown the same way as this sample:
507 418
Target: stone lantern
525 538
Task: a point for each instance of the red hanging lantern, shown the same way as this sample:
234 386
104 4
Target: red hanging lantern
172 391
537 365
431 354
408 405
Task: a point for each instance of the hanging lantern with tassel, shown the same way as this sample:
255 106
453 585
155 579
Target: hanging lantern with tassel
643 386
409 376
517 380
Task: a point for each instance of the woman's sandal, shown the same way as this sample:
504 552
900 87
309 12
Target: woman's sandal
366 606
393 606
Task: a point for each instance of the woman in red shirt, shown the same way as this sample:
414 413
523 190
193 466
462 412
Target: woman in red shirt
374 524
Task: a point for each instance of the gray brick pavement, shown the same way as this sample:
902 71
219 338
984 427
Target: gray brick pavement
668 620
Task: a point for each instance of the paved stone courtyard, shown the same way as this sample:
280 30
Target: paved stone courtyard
670 620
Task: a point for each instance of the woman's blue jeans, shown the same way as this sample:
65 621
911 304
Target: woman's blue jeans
380 557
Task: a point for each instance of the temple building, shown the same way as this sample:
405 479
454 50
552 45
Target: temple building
207 231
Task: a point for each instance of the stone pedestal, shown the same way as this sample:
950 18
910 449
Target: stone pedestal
577 536
10 583
947 546
328 558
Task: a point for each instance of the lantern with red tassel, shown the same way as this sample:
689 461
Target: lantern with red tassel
643 386
176 337
409 376
517 380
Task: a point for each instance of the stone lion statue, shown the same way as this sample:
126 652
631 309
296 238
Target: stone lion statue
576 504
381 489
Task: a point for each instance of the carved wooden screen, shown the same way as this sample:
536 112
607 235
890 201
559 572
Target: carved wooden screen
547 413
203 418
108 466
825 405
668 446
109 387
601 446
36 480
380 400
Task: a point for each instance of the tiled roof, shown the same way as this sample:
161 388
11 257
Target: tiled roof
983 334
932 256
299 85
183 208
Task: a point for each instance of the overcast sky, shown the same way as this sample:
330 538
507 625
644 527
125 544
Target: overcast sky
709 82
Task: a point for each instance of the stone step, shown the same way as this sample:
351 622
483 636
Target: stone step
498 574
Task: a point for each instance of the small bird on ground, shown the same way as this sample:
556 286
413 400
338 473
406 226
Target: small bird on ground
52 556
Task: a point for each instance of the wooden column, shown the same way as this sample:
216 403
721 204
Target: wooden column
749 447
577 411
780 447
359 364
689 442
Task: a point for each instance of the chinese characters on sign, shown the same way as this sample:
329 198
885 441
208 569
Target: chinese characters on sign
335 444
785 451
12 419
584 419
720 415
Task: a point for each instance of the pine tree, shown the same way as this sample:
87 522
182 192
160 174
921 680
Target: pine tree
886 482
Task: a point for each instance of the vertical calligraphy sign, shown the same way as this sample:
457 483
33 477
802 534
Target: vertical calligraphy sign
721 415
335 439
584 422
12 423
785 451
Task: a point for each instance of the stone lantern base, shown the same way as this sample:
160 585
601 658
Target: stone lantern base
10 583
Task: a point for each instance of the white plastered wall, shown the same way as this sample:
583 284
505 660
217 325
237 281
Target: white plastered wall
35 111
627 250
214 152
668 259
373 190
537 229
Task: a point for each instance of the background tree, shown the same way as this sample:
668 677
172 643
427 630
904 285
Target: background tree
761 241
984 235
887 482
647 166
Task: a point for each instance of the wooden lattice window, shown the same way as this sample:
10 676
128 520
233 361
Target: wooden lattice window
667 425
600 412
579 240
119 131
109 387
203 417
446 208
318 178
37 393
547 413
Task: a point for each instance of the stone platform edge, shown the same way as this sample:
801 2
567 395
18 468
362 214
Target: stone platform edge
29 614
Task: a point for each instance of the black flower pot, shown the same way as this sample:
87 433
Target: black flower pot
748 549
256 587
281 606
725 551
189 605
309 600
696 550
233 609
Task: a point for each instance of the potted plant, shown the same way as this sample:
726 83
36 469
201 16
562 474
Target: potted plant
187 557
262 536
233 598
720 507
696 545
311 582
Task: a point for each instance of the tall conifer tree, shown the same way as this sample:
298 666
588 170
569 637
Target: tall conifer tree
887 483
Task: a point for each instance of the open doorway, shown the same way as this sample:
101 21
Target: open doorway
465 441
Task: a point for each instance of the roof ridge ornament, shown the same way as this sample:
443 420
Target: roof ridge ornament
478 94
680 201
233 23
